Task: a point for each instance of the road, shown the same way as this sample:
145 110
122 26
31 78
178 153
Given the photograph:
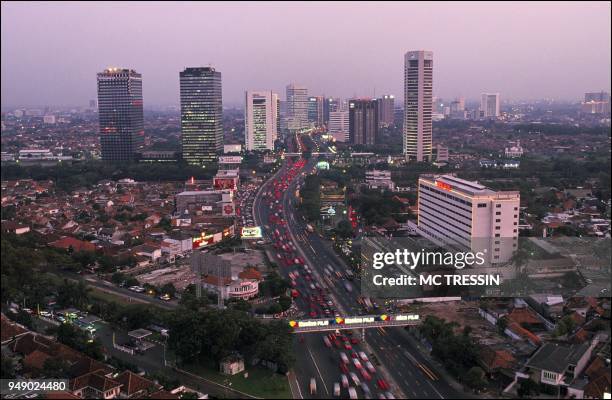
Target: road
403 366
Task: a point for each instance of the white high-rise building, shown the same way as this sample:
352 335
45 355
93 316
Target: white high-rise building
297 107
260 120
338 125
418 96
470 216
489 105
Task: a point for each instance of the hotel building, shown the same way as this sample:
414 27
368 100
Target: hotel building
467 215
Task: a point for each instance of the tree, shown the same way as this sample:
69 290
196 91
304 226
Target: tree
55 368
344 229
527 388
7 370
475 378
117 278
168 289
284 302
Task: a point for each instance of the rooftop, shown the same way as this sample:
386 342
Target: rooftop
556 357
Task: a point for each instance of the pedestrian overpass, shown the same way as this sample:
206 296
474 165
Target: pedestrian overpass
357 322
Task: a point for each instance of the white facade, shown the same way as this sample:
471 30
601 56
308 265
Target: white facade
260 120
297 107
489 105
49 119
468 215
377 179
515 151
339 125
418 105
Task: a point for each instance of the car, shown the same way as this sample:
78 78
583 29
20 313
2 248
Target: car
370 367
344 368
344 381
336 389
352 393
344 358
389 395
354 355
382 384
357 363
354 341
354 378
366 390
327 342
347 346
365 374
363 356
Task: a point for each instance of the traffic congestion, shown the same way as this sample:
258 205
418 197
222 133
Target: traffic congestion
313 293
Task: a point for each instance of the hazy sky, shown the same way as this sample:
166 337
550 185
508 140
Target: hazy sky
52 51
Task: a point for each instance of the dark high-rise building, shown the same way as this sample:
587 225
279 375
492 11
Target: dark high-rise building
315 110
201 115
386 108
329 105
363 121
120 114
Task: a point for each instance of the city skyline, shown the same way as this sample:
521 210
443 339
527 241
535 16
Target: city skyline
468 63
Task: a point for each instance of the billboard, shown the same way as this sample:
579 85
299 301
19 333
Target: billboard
230 159
228 209
251 232
224 183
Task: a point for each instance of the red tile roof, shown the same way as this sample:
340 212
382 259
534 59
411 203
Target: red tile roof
496 359
250 273
94 380
133 383
77 245
10 330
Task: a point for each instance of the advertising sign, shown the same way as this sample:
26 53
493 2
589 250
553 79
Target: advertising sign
224 183
230 159
228 210
251 232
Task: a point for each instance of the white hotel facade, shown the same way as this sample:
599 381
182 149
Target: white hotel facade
470 216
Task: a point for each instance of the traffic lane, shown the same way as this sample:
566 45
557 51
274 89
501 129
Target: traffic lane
413 381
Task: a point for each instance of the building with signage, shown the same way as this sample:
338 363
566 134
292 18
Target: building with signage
363 121
315 110
226 179
386 108
467 215
232 148
418 104
330 104
120 114
201 115
260 120
205 202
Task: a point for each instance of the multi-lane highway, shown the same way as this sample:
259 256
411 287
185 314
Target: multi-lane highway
324 290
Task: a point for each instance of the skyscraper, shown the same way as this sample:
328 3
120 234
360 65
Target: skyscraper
297 107
260 120
363 121
315 110
418 91
330 104
489 105
201 115
120 114
386 107
338 125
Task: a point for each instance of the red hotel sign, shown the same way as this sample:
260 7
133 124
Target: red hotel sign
443 185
